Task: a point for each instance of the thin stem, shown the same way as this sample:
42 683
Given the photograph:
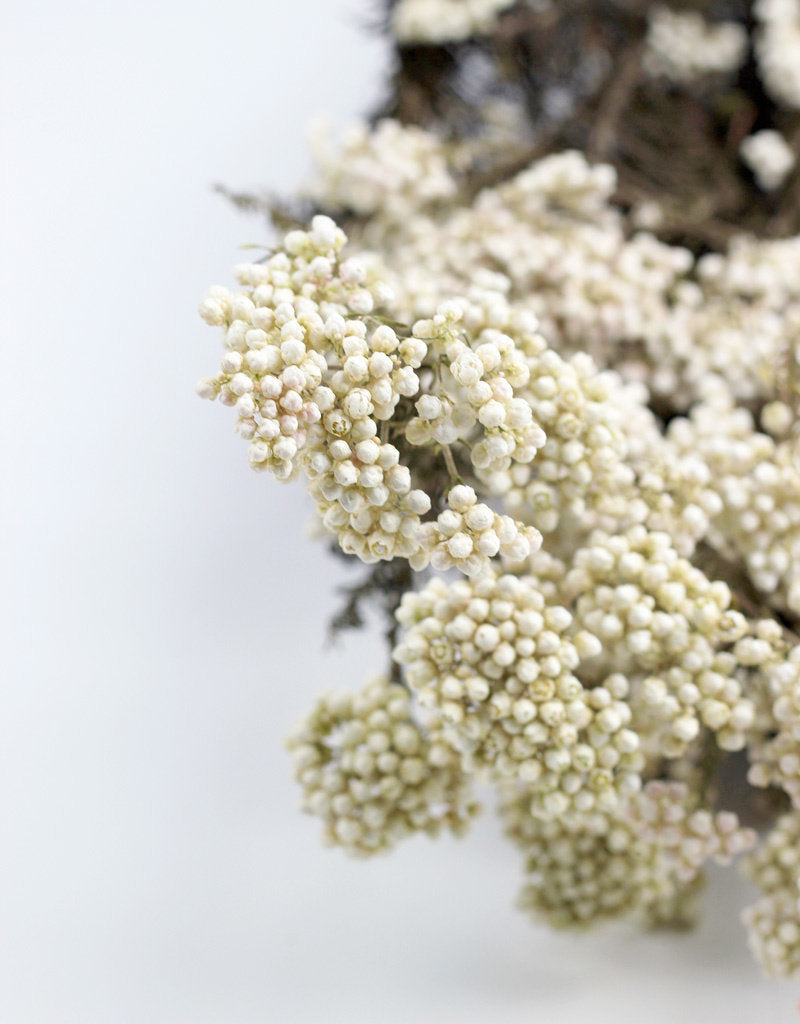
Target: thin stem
450 462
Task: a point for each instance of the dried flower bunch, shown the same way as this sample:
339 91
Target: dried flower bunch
532 345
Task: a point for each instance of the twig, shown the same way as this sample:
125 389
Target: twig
616 98
449 461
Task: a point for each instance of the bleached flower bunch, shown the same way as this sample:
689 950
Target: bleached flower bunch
777 46
397 170
773 922
438 21
569 450
322 387
643 859
769 157
683 46
373 774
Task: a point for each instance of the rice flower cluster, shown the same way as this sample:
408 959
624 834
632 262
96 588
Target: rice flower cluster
568 453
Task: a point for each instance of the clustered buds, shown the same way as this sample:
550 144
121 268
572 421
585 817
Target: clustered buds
683 46
373 774
318 383
469 533
639 859
773 922
443 21
498 665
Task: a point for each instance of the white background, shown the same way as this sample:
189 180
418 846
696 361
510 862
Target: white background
163 614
